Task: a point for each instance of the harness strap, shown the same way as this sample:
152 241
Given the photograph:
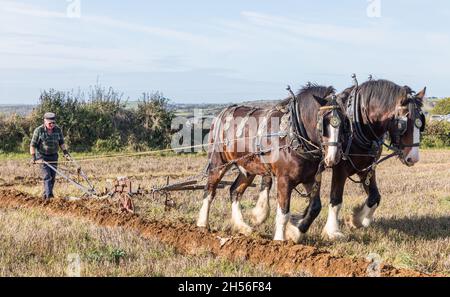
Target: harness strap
330 143
300 134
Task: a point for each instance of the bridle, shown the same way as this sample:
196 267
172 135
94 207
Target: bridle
335 121
300 135
400 122
373 143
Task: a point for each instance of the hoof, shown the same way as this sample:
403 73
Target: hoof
256 218
366 222
293 233
203 226
353 223
244 230
259 215
333 236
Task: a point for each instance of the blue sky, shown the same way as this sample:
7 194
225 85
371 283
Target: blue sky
220 51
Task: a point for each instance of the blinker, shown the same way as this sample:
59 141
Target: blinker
418 123
335 121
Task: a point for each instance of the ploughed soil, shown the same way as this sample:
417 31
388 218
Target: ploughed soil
284 257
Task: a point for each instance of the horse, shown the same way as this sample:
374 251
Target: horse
292 142
374 109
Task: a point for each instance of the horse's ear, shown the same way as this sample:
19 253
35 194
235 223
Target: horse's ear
421 94
320 100
407 92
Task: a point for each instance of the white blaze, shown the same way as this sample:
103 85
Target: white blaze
330 158
413 155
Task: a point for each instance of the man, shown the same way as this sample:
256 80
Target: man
46 141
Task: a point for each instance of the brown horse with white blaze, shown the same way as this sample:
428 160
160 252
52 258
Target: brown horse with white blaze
288 145
373 109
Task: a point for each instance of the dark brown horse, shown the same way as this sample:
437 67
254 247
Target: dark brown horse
288 142
374 108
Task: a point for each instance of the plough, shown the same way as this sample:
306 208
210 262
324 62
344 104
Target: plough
121 189
189 185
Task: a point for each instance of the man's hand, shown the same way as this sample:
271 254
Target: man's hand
67 155
34 160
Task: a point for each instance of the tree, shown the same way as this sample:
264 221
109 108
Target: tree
442 107
154 120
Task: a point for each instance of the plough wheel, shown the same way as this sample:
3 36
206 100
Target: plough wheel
126 203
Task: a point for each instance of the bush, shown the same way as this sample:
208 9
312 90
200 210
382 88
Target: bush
112 144
13 130
153 121
436 135
101 123
442 107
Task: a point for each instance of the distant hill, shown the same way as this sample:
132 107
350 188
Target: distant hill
185 109
20 109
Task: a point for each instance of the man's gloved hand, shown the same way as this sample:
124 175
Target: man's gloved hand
34 159
66 154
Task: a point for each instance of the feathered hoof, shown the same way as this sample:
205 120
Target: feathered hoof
243 229
293 233
258 216
333 236
353 222
203 226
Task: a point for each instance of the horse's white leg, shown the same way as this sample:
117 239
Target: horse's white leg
331 229
284 229
203 217
209 194
261 211
237 189
237 219
280 224
363 216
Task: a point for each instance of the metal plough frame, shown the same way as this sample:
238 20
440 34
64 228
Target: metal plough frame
120 187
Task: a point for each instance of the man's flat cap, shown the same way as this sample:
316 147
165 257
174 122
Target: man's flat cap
49 116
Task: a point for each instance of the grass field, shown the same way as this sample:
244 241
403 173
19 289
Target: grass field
411 227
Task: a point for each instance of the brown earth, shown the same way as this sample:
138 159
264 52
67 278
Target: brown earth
285 258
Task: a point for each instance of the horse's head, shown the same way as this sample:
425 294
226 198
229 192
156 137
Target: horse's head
407 123
330 126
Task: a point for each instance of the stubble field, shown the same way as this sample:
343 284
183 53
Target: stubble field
411 228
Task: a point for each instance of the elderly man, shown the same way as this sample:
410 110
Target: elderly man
46 141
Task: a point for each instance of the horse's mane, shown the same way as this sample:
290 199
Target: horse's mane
314 89
385 93
308 90
382 93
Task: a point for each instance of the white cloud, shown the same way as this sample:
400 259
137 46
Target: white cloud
315 30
